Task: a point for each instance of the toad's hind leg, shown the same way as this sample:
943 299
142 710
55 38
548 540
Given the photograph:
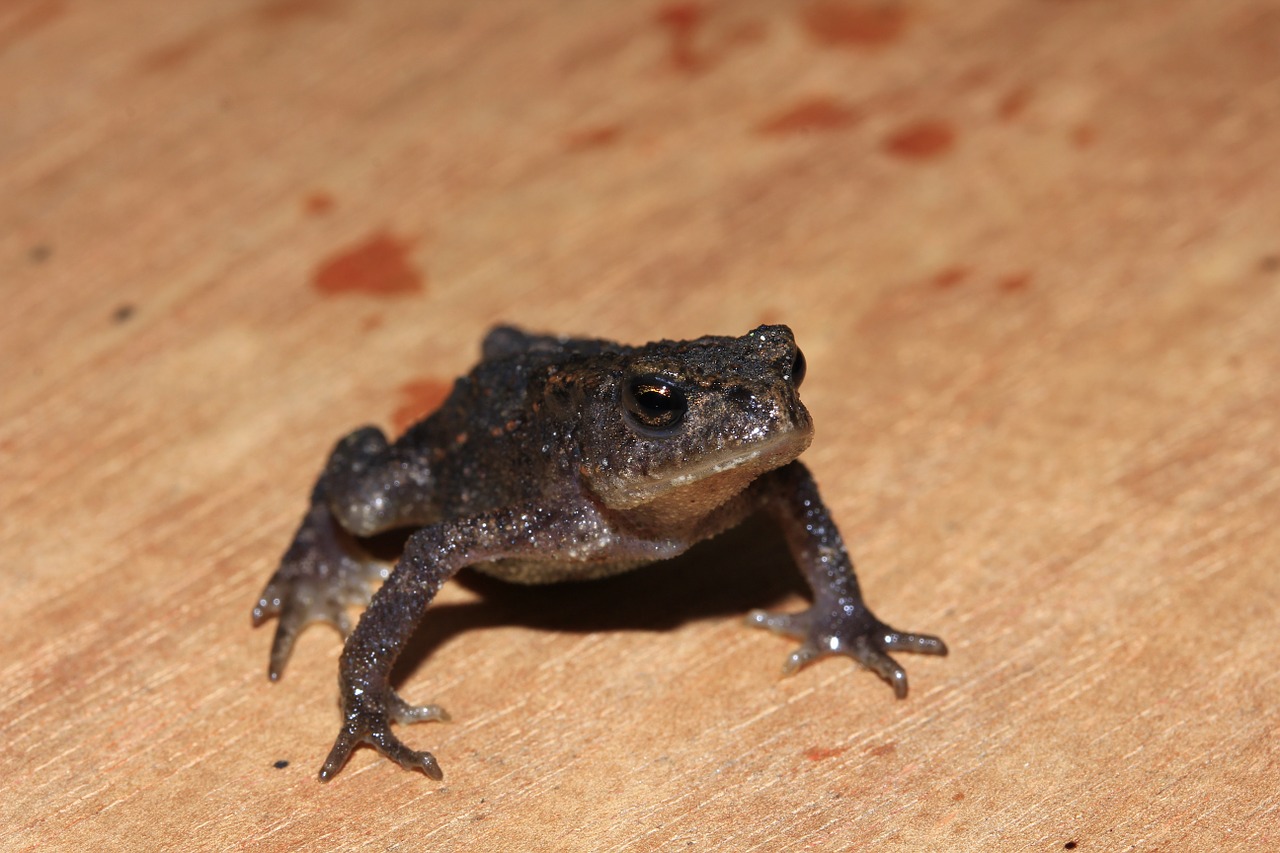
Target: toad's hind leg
367 487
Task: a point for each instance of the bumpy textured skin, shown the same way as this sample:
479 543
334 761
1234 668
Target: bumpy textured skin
534 471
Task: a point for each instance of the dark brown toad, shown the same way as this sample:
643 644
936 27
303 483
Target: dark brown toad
567 459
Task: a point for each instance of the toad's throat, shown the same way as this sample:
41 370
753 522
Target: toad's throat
710 481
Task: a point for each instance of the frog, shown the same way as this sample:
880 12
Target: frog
566 459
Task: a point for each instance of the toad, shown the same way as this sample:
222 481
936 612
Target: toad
567 459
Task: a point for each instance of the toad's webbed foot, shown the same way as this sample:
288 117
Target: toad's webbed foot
320 575
853 631
367 716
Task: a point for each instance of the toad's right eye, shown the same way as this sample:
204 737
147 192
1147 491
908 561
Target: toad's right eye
798 369
654 404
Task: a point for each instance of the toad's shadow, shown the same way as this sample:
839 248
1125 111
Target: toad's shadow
744 568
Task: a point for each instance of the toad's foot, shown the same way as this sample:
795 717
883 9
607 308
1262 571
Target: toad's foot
320 575
854 632
366 719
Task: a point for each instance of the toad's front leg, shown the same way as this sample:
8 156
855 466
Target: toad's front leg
432 556
839 621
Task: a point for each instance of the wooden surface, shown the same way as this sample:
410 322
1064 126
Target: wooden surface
1031 249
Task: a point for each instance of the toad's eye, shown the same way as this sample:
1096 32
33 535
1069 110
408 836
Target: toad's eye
654 404
798 368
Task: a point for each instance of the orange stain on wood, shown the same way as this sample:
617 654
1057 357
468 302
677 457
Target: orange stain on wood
853 25
586 138
682 22
921 140
748 32
318 203
818 753
977 77
1084 135
35 16
1015 282
175 54
1014 103
950 277
418 398
601 48
378 266
814 114
288 11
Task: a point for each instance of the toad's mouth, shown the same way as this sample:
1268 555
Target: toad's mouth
716 476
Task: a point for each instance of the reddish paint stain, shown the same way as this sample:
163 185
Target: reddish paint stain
174 55
318 203
1013 104
1083 135
976 77
883 749
748 32
855 25
418 398
1015 283
682 22
958 797
586 138
36 16
921 140
288 11
372 322
377 267
815 114
818 753
602 48
950 277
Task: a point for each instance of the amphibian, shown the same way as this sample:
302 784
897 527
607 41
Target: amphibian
567 459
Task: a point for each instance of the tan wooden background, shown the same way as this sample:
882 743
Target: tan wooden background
1031 249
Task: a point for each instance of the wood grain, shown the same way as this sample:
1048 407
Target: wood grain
1030 248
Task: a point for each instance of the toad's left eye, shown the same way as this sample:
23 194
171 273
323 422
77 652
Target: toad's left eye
654 404
798 368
